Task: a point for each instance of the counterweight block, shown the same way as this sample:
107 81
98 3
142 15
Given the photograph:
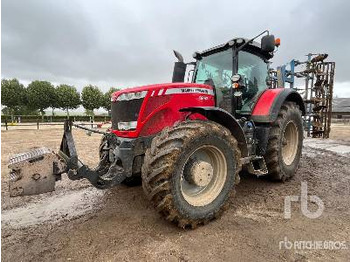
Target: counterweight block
34 172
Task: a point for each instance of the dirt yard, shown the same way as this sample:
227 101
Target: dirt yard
80 223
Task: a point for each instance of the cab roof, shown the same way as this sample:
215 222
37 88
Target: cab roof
253 47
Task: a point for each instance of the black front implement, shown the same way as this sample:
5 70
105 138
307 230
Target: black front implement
105 175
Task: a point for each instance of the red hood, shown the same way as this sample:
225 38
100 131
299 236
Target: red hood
158 87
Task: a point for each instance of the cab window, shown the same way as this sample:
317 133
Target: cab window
255 71
218 68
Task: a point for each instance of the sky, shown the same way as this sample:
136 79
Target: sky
129 43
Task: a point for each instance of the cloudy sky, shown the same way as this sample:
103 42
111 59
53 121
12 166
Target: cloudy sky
128 43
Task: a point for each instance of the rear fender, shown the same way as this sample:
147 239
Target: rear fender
225 119
269 104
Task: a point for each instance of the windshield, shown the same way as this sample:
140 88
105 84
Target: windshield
217 67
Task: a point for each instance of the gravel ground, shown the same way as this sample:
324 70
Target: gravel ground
80 223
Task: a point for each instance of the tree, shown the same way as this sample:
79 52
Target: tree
67 97
12 95
107 98
92 98
54 101
40 95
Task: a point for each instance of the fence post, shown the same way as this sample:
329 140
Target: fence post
37 124
92 123
6 124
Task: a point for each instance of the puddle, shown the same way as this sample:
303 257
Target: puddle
329 145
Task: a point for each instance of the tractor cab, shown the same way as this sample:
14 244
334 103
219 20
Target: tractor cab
217 69
237 71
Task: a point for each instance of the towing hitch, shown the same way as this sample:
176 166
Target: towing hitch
36 171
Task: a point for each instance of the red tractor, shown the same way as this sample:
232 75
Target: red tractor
188 142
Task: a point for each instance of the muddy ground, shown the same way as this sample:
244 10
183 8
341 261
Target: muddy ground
80 223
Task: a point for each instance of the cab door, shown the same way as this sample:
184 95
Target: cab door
255 71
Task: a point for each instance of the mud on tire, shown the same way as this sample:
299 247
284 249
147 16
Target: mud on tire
164 166
282 162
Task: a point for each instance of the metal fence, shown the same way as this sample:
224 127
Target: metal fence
50 119
37 125
37 122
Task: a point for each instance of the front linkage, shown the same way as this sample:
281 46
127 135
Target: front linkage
106 174
36 171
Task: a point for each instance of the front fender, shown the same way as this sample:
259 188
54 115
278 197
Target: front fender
225 119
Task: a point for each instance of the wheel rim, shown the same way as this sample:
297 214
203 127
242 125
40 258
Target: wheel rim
203 175
290 143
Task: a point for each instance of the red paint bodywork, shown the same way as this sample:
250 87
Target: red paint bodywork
160 110
265 102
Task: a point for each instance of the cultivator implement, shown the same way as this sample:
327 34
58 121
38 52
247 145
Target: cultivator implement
317 92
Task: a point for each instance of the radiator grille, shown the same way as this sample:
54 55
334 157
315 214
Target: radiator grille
125 111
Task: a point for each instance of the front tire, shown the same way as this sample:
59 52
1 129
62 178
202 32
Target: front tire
285 143
190 171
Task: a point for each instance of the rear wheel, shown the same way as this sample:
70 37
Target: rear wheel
285 143
190 171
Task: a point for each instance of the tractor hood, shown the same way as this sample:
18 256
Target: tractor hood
161 89
146 110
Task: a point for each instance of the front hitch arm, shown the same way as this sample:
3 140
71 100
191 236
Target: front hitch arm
105 175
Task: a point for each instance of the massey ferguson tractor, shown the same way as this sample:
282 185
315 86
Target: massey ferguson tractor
187 142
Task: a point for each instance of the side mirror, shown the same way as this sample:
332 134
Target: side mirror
268 43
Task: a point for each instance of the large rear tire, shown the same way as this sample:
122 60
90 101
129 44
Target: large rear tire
190 171
285 143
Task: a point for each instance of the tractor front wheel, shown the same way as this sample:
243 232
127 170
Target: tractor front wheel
190 171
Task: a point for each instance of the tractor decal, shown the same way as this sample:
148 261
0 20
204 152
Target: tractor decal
186 90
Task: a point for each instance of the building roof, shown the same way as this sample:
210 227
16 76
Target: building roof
341 105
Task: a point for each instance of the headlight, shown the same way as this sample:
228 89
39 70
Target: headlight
131 96
127 125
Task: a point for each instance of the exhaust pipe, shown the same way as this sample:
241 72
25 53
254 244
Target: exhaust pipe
179 68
